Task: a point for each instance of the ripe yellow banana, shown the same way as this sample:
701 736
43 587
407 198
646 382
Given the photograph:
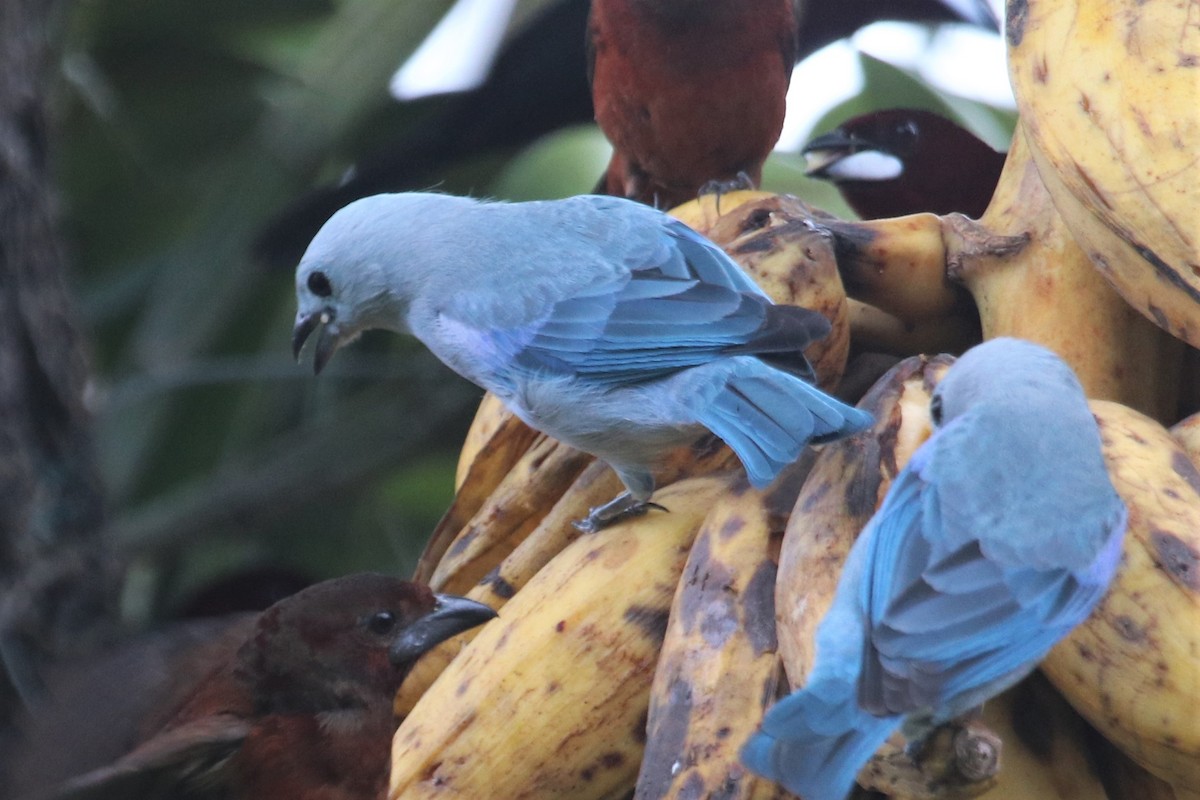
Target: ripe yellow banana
496 438
509 513
1133 668
877 331
495 443
846 484
596 484
550 699
718 668
1187 433
1108 95
1050 293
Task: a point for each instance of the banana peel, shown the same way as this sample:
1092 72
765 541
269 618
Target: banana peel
718 668
1133 667
550 699
1107 94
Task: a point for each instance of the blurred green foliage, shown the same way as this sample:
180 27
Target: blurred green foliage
183 128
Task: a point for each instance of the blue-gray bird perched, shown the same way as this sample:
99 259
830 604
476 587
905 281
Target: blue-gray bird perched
602 322
999 536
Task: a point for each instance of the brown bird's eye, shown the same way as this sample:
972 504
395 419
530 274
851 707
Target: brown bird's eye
382 623
935 409
319 285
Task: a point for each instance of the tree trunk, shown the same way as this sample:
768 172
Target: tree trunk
55 582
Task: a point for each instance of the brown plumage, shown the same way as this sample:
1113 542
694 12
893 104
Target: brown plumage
293 703
688 91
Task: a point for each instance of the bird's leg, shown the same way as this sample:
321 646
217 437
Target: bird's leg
623 506
741 182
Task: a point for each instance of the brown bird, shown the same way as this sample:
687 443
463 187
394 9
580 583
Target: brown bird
688 91
902 161
295 702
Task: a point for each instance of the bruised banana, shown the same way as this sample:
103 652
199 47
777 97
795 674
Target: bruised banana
509 513
1108 96
1187 433
718 668
496 442
497 438
1132 668
550 699
552 534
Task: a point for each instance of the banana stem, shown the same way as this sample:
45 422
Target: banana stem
1049 292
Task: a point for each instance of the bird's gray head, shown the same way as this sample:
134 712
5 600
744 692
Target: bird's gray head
355 274
1004 370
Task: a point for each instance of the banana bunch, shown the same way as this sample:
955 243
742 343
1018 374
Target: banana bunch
1108 94
634 662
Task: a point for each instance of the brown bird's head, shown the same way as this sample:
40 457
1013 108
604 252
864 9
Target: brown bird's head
301 710
347 643
900 161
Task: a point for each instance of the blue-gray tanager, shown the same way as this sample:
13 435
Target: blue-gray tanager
999 536
599 321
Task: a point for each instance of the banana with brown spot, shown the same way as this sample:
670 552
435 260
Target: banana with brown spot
550 699
719 669
1108 94
1133 668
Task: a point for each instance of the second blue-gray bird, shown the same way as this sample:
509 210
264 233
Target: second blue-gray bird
999 536
602 322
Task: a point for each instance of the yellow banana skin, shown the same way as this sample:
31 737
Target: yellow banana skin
509 513
1187 433
718 667
550 699
1049 292
1107 93
495 442
1133 668
552 534
842 492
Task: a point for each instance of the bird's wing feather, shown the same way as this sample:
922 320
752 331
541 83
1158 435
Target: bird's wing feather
162 766
680 303
942 619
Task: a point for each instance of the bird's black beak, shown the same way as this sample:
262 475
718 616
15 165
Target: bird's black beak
327 339
451 616
828 149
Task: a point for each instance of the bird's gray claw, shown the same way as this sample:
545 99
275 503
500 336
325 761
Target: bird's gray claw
622 508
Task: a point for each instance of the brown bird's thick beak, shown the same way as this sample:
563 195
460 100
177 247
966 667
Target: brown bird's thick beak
828 149
451 616
328 339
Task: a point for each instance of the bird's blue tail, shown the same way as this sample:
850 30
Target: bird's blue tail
815 741
768 416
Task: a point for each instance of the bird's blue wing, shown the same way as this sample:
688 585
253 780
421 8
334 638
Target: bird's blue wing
682 304
944 621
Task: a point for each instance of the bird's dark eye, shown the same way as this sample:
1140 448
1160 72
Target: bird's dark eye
935 409
318 284
381 623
